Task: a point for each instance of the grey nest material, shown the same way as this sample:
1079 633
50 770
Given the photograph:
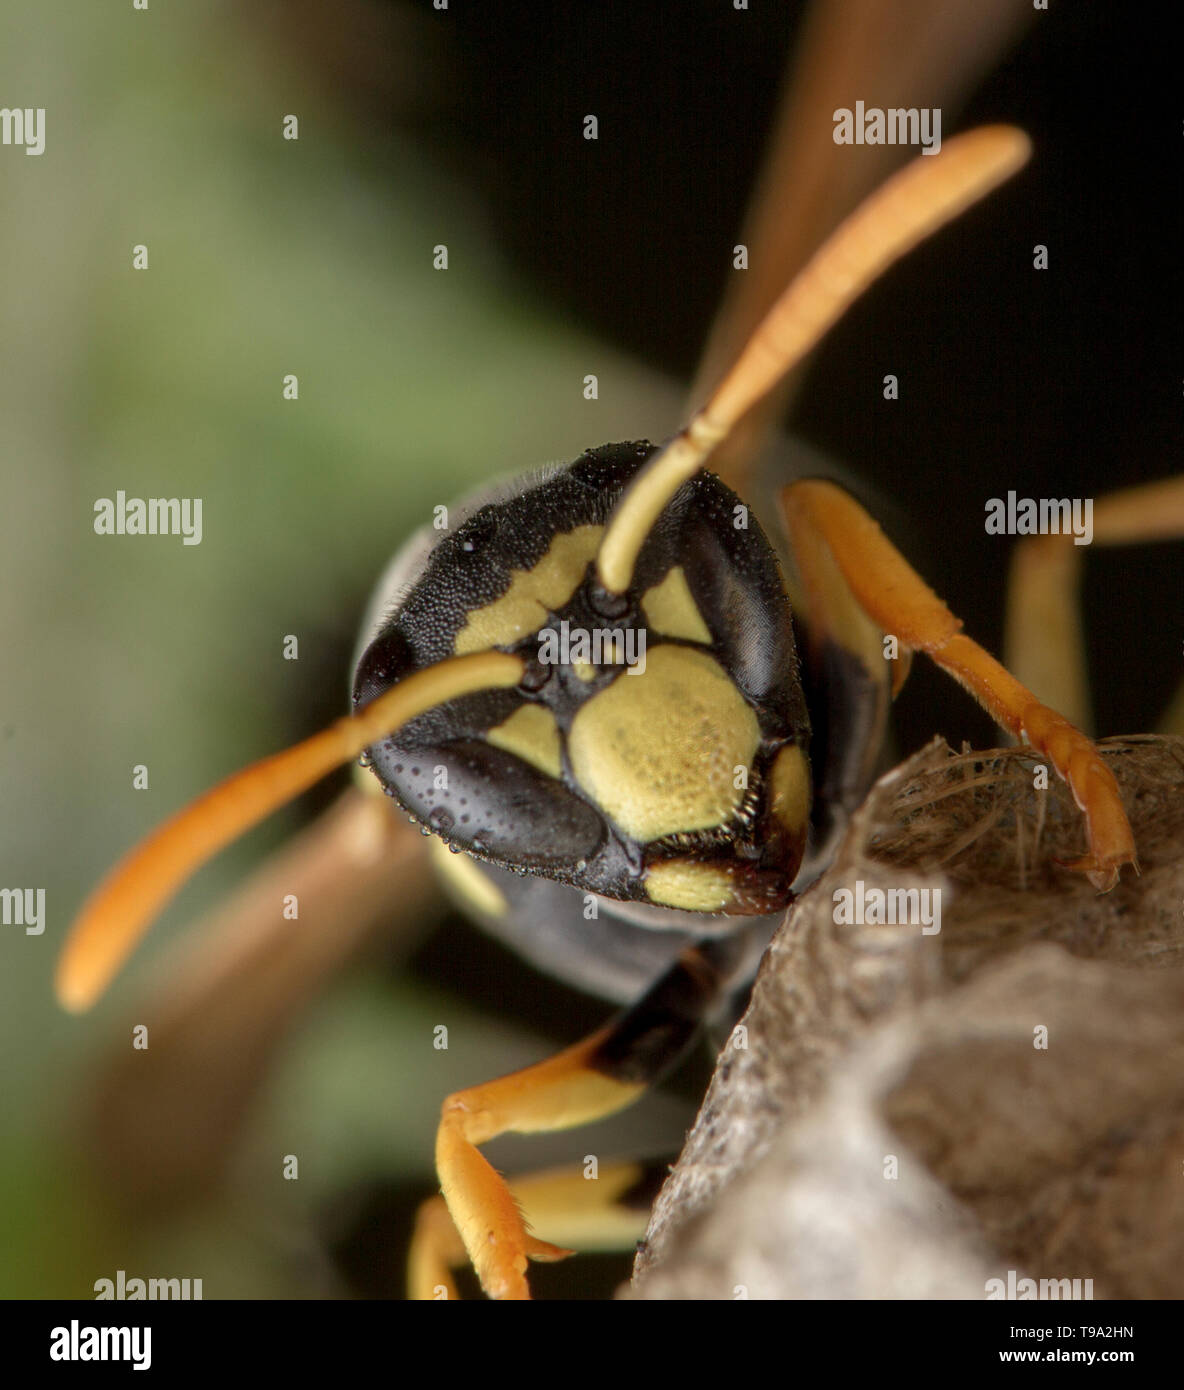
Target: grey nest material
914 1116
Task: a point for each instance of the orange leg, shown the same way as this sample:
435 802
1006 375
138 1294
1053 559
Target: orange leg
596 1077
607 1211
559 1093
896 598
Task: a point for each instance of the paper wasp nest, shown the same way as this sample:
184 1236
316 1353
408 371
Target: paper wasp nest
914 1115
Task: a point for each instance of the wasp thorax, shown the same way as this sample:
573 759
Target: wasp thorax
654 747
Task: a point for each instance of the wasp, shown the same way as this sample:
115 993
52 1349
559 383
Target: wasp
634 708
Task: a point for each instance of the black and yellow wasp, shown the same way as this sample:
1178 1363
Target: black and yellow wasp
683 783
635 812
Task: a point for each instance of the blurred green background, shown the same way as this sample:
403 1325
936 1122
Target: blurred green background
267 257
314 257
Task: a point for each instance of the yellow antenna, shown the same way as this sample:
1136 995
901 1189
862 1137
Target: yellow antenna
121 909
913 204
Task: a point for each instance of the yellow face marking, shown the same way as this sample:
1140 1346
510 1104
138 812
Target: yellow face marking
690 886
789 789
467 881
671 610
658 751
522 609
531 734
584 670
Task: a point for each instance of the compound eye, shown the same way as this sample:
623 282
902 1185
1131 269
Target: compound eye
484 799
387 659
